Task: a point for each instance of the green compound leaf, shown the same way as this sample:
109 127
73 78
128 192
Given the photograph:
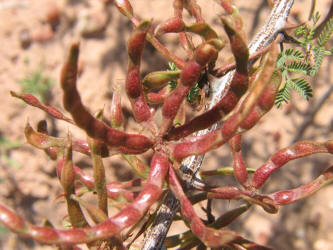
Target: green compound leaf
299 67
326 33
319 53
283 95
302 87
306 61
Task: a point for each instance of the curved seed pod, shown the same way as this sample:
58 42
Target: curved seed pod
205 53
98 216
113 226
141 110
289 196
227 5
264 103
67 177
240 171
120 195
172 25
42 140
165 52
125 7
238 46
240 80
99 175
116 116
136 164
194 9
45 141
185 40
223 221
201 144
227 193
136 42
117 120
233 12
157 98
84 178
33 101
178 8
52 152
283 156
127 143
264 201
189 76
198 123
202 29
218 43
233 193
209 236
159 79
238 86
114 190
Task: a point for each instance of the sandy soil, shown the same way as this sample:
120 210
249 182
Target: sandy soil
30 185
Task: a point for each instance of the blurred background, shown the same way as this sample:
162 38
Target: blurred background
35 36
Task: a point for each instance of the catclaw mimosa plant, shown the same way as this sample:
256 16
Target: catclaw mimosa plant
249 96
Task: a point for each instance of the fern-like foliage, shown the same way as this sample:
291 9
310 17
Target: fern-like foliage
305 60
293 61
302 87
283 95
326 33
318 56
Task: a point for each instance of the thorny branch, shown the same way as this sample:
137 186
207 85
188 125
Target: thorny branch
191 165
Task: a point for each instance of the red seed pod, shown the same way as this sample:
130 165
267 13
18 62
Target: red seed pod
133 82
33 101
238 46
205 53
240 171
136 42
156 98
116 116
173 101
141 110
202 29
123 142
124 6
172 25
67 175
190 73
228 193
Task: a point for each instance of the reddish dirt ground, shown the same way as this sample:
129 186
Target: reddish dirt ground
30 185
